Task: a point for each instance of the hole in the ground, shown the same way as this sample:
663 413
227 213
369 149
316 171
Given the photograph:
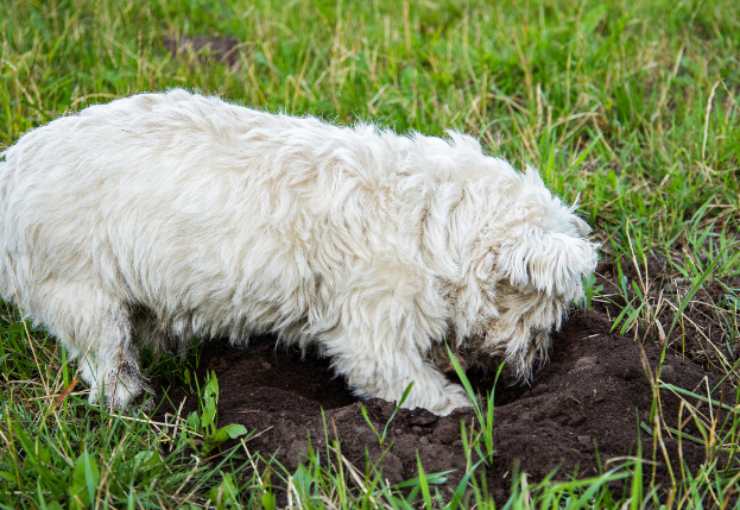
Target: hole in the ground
265 369
506 391
265 374
590 395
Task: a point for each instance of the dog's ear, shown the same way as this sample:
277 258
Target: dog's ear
550 262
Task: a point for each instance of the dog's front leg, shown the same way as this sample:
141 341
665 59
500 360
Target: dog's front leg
379 346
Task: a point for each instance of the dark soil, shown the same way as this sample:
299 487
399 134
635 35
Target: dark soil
701 333
585 405
206 48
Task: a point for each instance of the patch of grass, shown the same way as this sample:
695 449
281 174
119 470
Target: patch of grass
630 106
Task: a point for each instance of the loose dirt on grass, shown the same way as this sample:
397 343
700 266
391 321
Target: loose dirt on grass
584 408
701 333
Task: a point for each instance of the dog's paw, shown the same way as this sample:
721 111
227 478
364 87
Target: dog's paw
454 398
123 392
119 387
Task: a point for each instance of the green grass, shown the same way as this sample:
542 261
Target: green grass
630 106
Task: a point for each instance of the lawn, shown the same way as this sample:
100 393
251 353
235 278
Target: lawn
628 107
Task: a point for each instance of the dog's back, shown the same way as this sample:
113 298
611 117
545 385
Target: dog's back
205 212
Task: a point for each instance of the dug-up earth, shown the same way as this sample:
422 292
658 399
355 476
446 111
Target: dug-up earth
584 408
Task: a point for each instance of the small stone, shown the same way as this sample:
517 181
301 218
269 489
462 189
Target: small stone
297 453
585 441
343 413
382 407
363 434
540 389
392 468
585 363
525 416
576 420
668 373
423 418
631 373
446 432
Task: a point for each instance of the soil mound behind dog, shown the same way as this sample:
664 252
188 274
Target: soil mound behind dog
583 409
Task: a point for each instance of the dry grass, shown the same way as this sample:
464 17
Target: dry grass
631 106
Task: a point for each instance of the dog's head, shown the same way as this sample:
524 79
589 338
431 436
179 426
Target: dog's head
529 265
542 246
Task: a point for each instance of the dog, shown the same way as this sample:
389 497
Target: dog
163 217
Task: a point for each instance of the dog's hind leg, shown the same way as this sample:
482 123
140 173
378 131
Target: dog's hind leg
96 329
380 346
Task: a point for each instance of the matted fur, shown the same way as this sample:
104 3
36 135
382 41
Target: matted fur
162 217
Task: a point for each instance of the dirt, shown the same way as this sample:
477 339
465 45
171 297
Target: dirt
702 333
205 48
583 409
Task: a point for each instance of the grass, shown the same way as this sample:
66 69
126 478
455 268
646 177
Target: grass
631 107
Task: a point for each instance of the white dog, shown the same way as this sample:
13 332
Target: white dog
163 217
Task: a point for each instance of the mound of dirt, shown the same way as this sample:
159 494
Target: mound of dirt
585 405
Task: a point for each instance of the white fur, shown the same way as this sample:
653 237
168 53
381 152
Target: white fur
163 217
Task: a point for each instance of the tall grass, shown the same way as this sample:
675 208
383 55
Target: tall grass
629 106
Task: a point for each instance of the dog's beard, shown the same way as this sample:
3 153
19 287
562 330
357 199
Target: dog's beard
474 352
483 363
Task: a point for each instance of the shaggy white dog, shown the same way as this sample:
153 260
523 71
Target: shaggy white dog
163 217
